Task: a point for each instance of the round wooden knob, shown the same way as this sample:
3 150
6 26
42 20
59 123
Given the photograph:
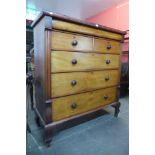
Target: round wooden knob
73 105
73 82
107 78
109 46
74 61
107 61
105 97
74 42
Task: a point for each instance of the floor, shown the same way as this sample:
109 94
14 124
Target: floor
105 135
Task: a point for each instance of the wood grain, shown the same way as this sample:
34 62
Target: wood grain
42 62
76 21
63 41
100 45
85 81
72 27
57 101
62 61
61 107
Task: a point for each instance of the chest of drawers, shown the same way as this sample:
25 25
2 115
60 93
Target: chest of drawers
77 70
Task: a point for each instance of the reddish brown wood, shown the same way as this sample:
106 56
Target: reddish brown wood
42 49
84 91
53 128
42 68
87 35
76 21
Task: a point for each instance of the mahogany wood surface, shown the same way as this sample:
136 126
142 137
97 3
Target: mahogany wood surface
61 61
84 43
41 60
73 20
72 27
64 41
77 69
76 82
107 46
62 107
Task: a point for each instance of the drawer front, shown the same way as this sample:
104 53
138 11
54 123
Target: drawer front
66 41
68 106
76 82
66 26
75 61
106 46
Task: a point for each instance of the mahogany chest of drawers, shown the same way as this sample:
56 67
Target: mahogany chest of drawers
77 69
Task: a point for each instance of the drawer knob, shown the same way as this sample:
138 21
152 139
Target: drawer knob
107 78
109 46
105 97
74 42
107 61
74 61
73 82
73 106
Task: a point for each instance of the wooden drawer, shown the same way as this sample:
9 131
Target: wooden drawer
75 61
70 83
68 106
106 46
71 42
66 26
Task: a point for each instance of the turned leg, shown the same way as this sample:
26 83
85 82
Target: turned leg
117 110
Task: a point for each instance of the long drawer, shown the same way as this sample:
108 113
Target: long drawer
70 83
71 42
68 106
66 26
62 61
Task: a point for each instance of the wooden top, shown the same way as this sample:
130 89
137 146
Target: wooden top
76 21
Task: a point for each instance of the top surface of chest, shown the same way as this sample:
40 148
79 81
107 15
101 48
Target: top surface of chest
66 23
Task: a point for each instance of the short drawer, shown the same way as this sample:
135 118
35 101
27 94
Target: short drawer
67 41
62 61
106 46
70 83
68 106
